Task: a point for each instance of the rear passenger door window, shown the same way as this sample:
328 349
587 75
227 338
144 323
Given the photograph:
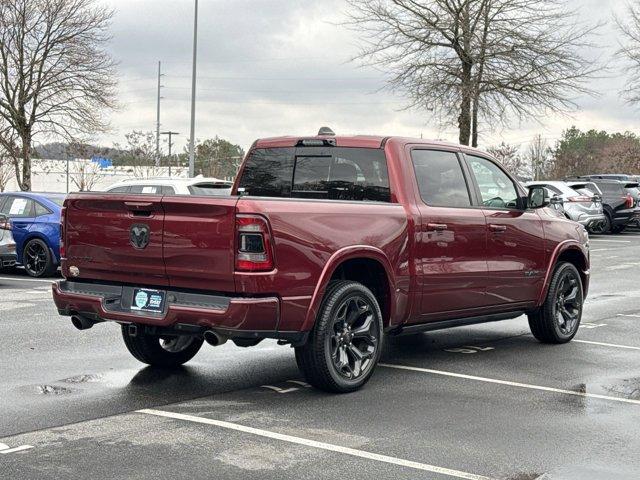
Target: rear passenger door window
18 207
440 178
146 189
497 190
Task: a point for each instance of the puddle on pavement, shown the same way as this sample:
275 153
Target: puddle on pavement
88 378
626 388
52 390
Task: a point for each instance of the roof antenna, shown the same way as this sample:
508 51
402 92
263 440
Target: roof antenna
326 131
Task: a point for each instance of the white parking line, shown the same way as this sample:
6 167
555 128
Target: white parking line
321 445
19 279
627 315
627 347
511 384
4 448
608 241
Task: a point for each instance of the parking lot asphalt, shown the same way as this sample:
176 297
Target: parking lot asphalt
478 402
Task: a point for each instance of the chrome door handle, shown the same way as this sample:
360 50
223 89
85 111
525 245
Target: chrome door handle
498 228
438 227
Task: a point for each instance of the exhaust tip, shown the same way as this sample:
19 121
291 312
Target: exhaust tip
81 323
214 338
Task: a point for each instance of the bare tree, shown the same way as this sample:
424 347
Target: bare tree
55 75
472 60
539 157
86 175
509 156
6 172
629 50
140 154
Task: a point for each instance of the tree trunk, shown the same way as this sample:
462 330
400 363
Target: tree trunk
474 124
464 120
25 182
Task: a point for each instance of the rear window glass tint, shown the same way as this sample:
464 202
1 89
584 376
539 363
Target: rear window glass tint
268 172
350 174
323 173
208 189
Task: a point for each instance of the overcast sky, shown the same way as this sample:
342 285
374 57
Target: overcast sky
275 67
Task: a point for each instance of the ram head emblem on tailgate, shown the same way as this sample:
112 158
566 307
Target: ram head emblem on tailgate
139 236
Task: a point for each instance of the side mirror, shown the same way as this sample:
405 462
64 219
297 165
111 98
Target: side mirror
540 197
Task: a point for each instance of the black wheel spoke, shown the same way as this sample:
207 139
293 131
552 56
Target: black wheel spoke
364 329
568 303
353 341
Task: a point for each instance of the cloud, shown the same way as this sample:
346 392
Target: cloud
274 67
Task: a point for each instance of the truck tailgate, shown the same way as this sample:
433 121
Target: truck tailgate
199 237
98 238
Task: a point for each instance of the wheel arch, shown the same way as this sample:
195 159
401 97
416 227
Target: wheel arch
39 236
572 252
363 264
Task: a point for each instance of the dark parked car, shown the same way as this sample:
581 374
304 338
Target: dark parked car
325 244
614 176
35 220
620 207
8 255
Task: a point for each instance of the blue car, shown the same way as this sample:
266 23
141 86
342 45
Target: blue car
35 221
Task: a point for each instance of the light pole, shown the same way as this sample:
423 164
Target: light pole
158 118
193 94
170 133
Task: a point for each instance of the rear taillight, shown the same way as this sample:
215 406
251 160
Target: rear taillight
629 201
5 223
63 250
253 248
582 198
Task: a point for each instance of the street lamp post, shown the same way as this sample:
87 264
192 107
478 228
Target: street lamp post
170 133
193 94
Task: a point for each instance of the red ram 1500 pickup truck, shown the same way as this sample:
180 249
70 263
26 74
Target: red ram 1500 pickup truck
327 243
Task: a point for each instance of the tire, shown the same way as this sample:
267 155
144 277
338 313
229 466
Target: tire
348 328
606 228
37 259
155 350
618 229
553 323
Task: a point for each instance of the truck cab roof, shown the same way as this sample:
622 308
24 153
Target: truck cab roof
358 141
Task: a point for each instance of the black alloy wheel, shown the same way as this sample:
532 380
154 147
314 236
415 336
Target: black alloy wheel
558 319
37 259
345 344
568 304
354 341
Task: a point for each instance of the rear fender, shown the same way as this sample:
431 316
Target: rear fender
561 248
339 257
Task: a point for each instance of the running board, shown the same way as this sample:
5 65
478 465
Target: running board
457 322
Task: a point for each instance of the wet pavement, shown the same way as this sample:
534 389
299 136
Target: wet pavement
479 402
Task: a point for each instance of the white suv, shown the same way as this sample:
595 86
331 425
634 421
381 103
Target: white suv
173 186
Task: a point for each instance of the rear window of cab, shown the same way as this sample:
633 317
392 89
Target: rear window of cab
334 173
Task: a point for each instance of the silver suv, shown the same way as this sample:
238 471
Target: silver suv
580 205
